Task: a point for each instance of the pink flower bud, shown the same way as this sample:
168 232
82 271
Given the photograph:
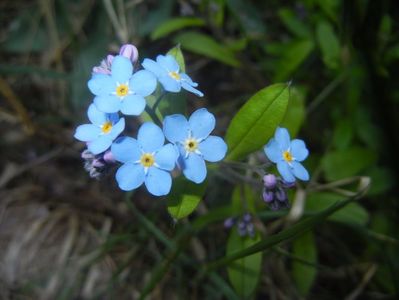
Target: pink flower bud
108 157
129 51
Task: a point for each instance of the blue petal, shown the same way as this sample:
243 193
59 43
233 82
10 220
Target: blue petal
113 118
126 149
95 116
299 150
143 83
283 138
186 78
273 151
100 144
168 62
194 168
130 176
202 122
299 171
117 128
150 137
108 103
154 67
87 132
170 84
166 157
158 182
191 89
175 128
121 69
213 148
133 105
101 84
285 171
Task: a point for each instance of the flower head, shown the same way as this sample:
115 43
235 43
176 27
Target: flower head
287 155
122 90
167 70
194 142
146 160
103 130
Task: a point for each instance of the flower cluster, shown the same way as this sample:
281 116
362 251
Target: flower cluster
244 224
121 90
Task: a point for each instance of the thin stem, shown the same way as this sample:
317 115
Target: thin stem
154 107
153 115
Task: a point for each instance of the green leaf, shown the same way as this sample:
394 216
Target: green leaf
346 163
204 45
329 44
353 213
257 120
295 114
178 55
293 24
184 197
293 56
243 199
244 273
304 275
175 24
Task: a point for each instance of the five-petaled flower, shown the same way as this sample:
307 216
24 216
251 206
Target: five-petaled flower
287 155
103 130
168 72
122 90
146 160
194 142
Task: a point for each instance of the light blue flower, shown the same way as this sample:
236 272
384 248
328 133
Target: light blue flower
194 142
287 155
122 90
103 130
167 70
146 160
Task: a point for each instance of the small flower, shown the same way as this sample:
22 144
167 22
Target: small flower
122 90
103 130
287 155
129 51
167 70
194 142
146 160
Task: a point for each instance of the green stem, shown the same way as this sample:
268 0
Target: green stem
154 107
153 115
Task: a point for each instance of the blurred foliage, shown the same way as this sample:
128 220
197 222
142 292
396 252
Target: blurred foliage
64 236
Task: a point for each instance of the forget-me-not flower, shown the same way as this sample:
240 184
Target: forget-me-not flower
146 160
167 70
287 155
194 142
122 90
103 130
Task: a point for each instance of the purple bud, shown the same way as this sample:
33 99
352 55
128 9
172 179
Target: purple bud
109 157
268 196
87 154
281 195
97 163
242 229
246 217
251 230
228 223
270 181
129 51
110 58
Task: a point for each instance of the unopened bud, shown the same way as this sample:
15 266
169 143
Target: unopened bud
270 181
129 51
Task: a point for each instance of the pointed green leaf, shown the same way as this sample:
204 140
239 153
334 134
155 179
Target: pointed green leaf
304 275
329 44
184 197
257 120
244 273
175 24
295 114
204 45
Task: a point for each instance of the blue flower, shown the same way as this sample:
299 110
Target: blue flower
194 142
146 160
103 130
122 90
167 70
287 155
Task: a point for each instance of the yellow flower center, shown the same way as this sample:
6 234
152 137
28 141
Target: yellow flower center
287 156
122 90
174 75
191 145
106 127
147 160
